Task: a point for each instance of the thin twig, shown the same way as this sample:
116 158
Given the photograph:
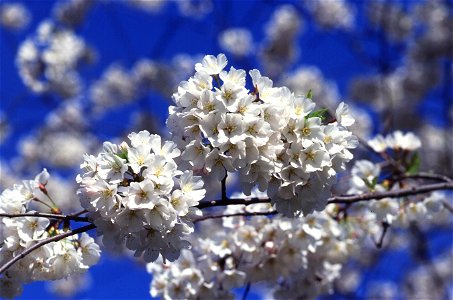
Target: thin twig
246 291
46 215
424 175
385 227
448 206
27 251
78 213
244 214
223 182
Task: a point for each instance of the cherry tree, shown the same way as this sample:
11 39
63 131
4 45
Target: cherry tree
260 177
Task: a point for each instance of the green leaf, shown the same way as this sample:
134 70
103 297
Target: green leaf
309 95
414 163
371 185
320 113
122 155
374 182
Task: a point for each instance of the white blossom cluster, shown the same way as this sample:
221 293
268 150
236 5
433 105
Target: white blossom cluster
52 261
391 18
310 78
72 12
237 41
270 136
396 141
14 16
71 148
148 6
368 177
300 256
398 212
119 86
332 14
279 49
70 286
47 62
426 30
137 195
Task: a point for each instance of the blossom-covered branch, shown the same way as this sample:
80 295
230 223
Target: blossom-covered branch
239 214
423 189
55 238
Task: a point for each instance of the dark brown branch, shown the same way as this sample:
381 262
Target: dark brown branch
415 190
244 214
56 238
423 175
46 215
232 201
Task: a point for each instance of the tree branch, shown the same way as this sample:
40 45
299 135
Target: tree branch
232 201
56 238
46 215
244 214
448 206
415 190
424 175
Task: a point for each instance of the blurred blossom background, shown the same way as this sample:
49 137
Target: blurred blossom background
76 73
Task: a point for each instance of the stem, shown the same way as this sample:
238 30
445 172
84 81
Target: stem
56 238
42 202
223 182
246 291
46 215
51 200
385 227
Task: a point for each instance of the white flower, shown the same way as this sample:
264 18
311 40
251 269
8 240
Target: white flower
191 187
89 250
141 195
211 64
378 143
231 129
434 202
315 158
32 228
399 140
238 41
65 261
343 115
196 152
139 157
385 209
